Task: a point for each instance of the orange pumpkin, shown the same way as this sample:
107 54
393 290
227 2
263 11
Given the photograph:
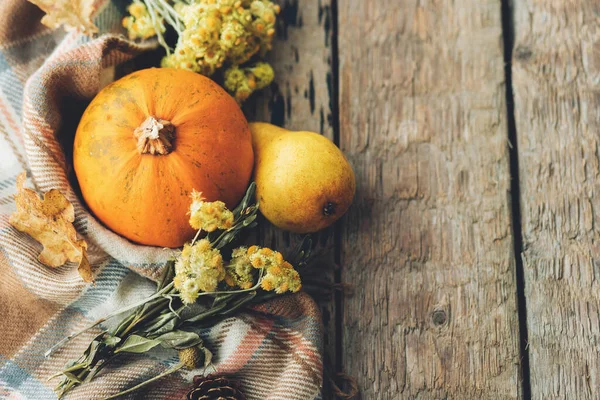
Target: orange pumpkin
148 139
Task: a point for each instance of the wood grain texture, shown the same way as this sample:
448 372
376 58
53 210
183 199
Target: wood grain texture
428 243
301 99
556 82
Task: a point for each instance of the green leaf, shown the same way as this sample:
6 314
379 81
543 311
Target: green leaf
137 344
244 218
124 324
249 220
162 324
99 367
112 341
168 327
179 340
90 354
220 310
223 298
302 254
248 200
208 355
167 275
149 306
71 377
215 309
149 311
236 304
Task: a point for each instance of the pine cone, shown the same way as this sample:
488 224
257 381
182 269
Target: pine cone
215 388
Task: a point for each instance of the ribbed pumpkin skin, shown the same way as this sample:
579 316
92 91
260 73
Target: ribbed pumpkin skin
146 197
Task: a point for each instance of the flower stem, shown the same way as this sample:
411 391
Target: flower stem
157 377
196 237
101 320
171 16
157 26
150 313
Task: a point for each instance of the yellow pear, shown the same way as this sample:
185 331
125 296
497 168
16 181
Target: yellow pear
303 181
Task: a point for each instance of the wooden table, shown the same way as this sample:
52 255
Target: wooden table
473 243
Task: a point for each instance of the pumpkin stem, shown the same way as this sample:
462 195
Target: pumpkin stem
155 136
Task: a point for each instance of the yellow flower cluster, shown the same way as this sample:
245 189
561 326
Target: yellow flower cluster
198 268
139 23
280 276
209 215
222 31
240 272
242 82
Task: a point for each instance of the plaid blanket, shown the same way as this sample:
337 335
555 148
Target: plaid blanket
274 349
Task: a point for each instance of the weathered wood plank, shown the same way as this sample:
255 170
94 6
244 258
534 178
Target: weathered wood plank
428 243
300 99
556 83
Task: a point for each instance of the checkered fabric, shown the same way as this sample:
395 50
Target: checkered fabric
274 349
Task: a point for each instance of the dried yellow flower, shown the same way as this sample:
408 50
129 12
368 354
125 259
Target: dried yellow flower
264 257
281 280
139 24
198 268
209 215
191 357
222 31
279 275
240 271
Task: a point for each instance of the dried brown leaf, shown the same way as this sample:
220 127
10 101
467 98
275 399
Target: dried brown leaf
72 14
85 268
50 222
